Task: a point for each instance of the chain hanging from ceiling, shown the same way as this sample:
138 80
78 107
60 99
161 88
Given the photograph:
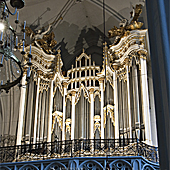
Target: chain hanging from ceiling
11 70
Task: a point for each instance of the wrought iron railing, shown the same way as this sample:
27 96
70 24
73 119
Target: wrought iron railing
78 148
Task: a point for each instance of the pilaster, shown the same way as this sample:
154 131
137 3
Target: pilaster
145 100
50 112
36 109
91 112
129 102
21 109
101 81
73 115
64 109
116 105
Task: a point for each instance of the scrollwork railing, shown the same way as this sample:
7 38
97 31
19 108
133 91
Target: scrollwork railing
78 148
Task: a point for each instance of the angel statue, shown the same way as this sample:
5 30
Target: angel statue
42 39
126 26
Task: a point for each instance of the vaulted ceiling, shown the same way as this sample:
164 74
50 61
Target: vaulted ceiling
79 23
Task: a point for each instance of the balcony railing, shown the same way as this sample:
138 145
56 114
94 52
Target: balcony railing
78 148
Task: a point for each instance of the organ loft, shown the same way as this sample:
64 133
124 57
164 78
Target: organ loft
90 116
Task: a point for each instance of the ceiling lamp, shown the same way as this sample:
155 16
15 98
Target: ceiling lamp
10 66
17 3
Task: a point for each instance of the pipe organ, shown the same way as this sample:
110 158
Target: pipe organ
91 102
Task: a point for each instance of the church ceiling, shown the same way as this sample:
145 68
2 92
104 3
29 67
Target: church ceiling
79 23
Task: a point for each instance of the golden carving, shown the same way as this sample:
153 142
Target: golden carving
53 122
125 26
101 79
97 93
142 53
42 39
65 84
24 70
86 93
97 120
73 92
117 32
68 125
91 90
110 109
57 115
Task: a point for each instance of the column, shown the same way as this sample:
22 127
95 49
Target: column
120 106
46 114
76 62
71 84
80 63
73 115
75 84
116 106
85 118
36 110
160 52
91 113
81 119
125 118
85 67
64 109
128 96
50 112
101 107
124 111
152 112
145 101
21 110
136 98
29 112
39 116
108 125
42 115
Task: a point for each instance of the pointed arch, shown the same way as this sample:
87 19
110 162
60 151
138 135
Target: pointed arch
85 92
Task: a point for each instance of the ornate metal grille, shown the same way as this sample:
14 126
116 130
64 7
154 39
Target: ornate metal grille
78 148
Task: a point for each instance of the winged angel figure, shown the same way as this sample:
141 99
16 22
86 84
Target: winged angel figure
126 26
42 39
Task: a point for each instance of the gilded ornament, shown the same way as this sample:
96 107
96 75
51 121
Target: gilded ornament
127 26
97 124
68 125
42 39
57 115
110 109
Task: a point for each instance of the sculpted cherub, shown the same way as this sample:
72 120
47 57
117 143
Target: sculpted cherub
42 39
133 23
126 26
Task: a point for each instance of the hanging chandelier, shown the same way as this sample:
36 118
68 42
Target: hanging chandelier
10 66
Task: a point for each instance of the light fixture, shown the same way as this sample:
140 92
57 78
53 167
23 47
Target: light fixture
17 3
10 66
